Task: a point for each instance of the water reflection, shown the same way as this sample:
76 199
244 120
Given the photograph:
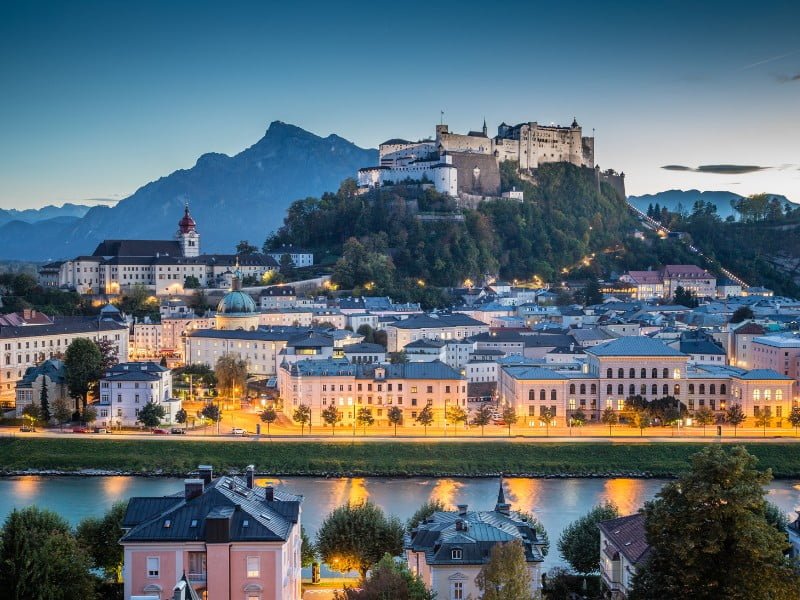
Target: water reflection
26 488
628 494
447 491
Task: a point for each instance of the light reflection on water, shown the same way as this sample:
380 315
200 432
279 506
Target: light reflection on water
555 502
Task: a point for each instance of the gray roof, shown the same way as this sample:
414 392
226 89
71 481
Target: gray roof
363 347
262 334
438 321
115 248
62 325
341 367
529 372
53 369
761 374
251 517
634 346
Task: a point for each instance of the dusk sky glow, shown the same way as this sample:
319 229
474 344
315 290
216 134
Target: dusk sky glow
99 98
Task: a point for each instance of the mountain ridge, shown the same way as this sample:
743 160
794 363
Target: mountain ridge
674 199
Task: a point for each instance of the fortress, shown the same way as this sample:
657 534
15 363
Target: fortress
468 164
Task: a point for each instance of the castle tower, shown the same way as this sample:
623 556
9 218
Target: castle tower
187 234
485 130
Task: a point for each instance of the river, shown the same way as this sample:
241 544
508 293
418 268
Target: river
556 502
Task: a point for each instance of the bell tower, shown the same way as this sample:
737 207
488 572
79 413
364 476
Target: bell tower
187 234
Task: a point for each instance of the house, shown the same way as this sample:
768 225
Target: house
431 327
299 256
125 388
224 537
623 547
50 374
449 548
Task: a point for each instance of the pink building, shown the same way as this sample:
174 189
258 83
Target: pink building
232 540
777 352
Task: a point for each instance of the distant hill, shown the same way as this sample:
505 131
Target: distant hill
231 197
35 215
683 200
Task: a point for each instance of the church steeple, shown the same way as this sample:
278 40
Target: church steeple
485 130
502 506
187 234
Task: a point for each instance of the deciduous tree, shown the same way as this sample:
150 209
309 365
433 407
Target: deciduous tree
423 512
331 416
482 416
99 536
269 415
763 419
302 415
83 363
704 416
609 417
395 417
365 418
388 579
231 372
579 543
734 416
455 415
506 576
425 417
150 415
794 419
510 417
61 411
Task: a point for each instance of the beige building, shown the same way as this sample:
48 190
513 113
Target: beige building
431 327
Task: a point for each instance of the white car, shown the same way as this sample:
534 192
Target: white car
238 431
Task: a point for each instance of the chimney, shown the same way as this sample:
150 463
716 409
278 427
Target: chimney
462 509
192 488
206 473
250 473
269 493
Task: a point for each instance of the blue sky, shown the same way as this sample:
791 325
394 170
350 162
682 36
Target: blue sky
98 98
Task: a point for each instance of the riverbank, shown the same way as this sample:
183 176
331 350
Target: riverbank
357 459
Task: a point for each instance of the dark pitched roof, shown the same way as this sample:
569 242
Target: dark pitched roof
627 534
633 346
362 348
62 325
438 321
115 248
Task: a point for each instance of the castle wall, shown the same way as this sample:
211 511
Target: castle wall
477 173
397 154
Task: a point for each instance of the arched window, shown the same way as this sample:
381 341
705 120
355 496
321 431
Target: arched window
571 388
572 403
779 395
691 388
620 389
677 390
552 395
666 373
643 373
654 373
632 373
621 373
531 395
643 389
609 373
654 390
665 390
767 394
702 388
723 389
631 390
756 395
583 389
593 389
608 389
542 395
712 389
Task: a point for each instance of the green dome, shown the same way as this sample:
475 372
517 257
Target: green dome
236 303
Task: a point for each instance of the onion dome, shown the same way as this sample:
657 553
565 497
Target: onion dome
187 224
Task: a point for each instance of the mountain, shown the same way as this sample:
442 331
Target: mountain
683 201
231 197
35 215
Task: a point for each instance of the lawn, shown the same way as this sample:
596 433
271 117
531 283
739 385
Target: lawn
374 458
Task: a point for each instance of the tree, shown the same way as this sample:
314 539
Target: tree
44 402
704 416
331 416
231 372
302 415
482 416
109 354
638 412
83 364
592 294
398 358
368 333
578 418
33 411
455 415
355 536
424 512
388 579
609 417
794 419
579 543
191 283
547 416
40 558
150 415
510 417
685 297
99 537
364 418
702 527
182 417
741 314
395 416
89 415
211 412
506 576
269 415
763 419
425 417
243 248
287 267
734 416
61 412
308 552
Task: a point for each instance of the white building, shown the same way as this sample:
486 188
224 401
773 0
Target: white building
127 387
300 257
431 327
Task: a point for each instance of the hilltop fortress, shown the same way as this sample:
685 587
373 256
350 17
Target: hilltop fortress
467 165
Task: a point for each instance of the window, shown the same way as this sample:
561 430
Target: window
632 373
621 373
571 388
253 566
458 590
609 373
197 563
531 395
609 390
456 554
756 395
153 566
666 374
643 373
553 395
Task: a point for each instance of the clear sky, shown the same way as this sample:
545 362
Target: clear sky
98 98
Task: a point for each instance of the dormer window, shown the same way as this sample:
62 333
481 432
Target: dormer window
456 554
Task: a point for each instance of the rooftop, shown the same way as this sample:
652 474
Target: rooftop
634 346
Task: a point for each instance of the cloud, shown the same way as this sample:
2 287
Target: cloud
787 78
718 169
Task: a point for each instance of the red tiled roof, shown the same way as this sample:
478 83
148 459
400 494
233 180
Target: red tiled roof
627 535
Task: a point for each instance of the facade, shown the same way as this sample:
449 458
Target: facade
299 256
227 537
125 388
776 352
29 345
623 547
431 327
409 386
277 297
50 374
146 342
449 548
648 285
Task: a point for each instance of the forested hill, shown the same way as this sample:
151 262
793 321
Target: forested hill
405 233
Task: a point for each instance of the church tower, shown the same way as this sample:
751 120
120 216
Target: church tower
187 234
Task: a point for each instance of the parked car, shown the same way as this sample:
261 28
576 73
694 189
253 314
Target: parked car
100 430
178 430
26 428
80 429
238 431
159 431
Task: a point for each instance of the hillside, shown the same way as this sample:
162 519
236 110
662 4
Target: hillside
682 201
35 215
232 197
